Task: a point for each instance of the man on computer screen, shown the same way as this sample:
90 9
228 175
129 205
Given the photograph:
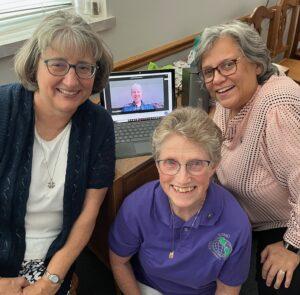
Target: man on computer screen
137 103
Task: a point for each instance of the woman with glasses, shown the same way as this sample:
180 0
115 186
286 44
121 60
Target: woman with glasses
258 111
180 235
56 155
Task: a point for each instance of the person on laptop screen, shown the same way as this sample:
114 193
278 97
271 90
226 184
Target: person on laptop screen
185 234
137 103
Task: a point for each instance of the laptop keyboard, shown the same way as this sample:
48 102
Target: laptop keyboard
135 131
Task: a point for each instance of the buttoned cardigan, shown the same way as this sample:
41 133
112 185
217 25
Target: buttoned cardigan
90 164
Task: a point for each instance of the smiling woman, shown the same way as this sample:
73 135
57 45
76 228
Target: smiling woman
56 164
63 94
258 112
179 230
240 74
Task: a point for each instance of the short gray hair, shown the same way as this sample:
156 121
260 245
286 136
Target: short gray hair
195 125
63 31
136 86
249 41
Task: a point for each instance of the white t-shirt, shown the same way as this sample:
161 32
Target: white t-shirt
44 215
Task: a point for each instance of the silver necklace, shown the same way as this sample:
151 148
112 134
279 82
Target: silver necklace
51 183
172 252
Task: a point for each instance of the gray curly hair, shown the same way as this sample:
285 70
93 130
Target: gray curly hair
249 41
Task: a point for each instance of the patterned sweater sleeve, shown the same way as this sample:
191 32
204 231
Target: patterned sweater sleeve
282 139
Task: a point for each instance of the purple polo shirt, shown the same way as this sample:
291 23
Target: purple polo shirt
216 246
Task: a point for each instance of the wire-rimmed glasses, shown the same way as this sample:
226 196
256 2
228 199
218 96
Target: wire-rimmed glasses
172 167
226 68
60 67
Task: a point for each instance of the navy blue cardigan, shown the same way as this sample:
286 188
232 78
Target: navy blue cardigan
90 164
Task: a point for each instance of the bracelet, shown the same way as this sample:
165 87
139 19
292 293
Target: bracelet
292 248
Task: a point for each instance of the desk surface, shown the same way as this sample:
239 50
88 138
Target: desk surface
294 68
125 166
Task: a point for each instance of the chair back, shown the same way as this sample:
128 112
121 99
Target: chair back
295 53
259 15
287 16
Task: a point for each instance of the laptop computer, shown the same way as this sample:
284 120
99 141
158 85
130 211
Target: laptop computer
137 101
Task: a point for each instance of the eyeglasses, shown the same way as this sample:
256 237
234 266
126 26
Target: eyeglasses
60 67
225 68
172 167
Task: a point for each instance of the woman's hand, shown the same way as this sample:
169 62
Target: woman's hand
280 263
12 286
41 287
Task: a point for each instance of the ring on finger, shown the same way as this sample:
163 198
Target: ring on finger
281 272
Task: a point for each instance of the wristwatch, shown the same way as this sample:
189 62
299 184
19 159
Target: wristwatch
292 248
53 278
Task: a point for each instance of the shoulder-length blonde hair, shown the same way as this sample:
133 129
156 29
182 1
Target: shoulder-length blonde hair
65 32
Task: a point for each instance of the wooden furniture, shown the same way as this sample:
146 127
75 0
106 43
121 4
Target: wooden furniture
294 68
276 32
131 173
155 54
257 17
296 44
287 15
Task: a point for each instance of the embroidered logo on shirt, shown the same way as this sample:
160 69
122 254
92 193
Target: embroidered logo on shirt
221 246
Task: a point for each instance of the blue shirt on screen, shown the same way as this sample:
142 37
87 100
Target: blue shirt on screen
217 245
133 107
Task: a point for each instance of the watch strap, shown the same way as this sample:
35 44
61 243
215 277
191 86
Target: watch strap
292 248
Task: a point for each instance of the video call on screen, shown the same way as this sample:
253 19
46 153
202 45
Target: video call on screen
154 93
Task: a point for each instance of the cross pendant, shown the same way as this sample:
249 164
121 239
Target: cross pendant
51 184
171 255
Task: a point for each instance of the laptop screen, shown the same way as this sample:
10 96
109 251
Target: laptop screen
140 95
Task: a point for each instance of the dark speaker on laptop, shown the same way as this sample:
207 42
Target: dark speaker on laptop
193 93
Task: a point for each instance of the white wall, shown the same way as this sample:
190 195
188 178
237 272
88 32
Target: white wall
146 24
6 70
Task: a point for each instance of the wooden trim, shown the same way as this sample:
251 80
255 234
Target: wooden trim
155 54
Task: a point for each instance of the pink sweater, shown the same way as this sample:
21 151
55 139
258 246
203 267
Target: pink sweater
261 156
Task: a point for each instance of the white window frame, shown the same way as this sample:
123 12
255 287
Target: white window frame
14 8
13 34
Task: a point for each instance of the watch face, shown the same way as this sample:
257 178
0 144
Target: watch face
54 279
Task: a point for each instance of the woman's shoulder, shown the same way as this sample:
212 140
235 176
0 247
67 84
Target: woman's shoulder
279 90
142 198
13 91
13 98
11 87
91 114
94 109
